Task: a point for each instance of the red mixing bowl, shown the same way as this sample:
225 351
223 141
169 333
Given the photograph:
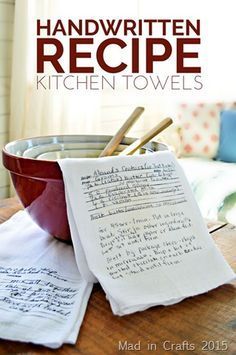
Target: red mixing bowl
37 177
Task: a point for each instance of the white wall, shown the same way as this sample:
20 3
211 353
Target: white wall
6 30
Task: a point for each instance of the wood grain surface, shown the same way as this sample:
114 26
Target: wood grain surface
184 328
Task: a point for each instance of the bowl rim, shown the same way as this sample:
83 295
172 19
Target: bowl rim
106 138
5 151
44 169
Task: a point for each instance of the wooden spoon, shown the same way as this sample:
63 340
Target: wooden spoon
147 137
117 138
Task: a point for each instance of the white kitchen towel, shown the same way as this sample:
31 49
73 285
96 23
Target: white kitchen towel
140 229
42 295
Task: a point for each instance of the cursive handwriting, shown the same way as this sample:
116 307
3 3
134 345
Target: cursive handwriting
163 235
37 291
131 188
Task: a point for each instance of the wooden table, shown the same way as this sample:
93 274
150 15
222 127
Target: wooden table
207 321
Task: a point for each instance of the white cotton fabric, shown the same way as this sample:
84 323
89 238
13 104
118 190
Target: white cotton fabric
197 273
46 276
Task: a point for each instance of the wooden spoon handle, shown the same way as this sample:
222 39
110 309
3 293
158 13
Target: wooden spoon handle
115 141
147 137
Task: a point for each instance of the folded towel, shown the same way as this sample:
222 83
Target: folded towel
42 295
136 228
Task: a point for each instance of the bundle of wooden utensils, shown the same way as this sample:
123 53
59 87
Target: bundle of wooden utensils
117 138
